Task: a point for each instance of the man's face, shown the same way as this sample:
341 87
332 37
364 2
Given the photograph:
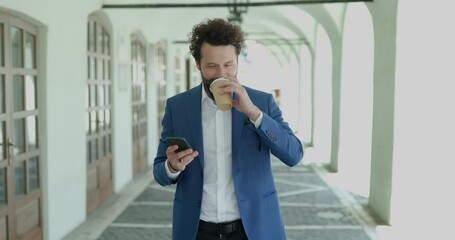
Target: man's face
216 62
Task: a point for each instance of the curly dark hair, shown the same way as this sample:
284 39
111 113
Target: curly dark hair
215 32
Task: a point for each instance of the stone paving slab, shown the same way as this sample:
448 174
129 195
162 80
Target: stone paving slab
146 214
311 211
310 216
155 194
327 234
123 233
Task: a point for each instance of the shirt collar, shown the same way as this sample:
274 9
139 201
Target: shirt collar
204 94
206 97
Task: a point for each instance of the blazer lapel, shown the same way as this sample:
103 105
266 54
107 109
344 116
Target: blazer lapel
238 120
194 120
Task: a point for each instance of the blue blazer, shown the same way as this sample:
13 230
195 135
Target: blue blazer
251 168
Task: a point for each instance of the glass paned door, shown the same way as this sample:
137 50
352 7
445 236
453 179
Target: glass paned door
139 104
20 185
98 113
4 164
160 77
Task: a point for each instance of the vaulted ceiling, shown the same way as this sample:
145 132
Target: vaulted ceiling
273 23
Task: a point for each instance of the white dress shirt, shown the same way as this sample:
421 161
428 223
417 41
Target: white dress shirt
219 202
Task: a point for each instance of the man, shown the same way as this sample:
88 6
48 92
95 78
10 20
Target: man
225 188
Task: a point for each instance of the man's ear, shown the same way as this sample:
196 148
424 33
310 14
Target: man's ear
198 65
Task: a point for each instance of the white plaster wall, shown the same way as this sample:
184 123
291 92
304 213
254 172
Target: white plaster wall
66 158
422 194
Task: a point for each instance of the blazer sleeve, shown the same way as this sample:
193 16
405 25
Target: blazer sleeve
159 171
278 136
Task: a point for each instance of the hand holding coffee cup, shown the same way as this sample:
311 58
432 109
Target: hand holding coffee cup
224 101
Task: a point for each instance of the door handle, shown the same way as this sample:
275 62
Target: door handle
8 151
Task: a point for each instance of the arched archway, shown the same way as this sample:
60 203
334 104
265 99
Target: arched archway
356 103
322 98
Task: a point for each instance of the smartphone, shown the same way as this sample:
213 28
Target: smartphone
180 141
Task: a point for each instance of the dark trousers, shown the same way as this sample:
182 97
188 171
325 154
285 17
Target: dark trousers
225 231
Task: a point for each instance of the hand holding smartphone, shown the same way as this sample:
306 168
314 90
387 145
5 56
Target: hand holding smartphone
180 142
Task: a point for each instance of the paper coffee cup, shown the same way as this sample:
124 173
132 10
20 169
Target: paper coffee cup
223 102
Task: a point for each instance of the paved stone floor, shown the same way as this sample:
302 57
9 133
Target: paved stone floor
312 210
